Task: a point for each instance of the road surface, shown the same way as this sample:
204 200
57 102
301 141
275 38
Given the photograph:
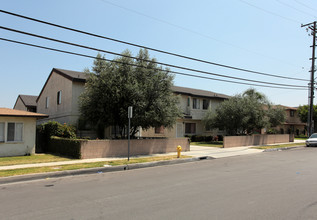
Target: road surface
271 185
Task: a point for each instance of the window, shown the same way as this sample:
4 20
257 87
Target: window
188 101
1 131
47 101
190 128
59 97
205 104
292 113
15 131
196 103
159 130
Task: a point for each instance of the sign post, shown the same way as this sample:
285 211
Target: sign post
130 109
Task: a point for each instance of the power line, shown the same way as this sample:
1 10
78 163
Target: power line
296 9
149 48
115 61
306 6
269 12
160 63
188 30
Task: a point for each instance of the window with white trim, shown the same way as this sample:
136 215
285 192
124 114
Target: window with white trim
47 102
59 97
15 131
196 103
1 131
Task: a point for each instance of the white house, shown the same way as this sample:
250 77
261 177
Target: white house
17 132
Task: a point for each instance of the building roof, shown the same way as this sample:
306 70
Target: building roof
28 100
198 92
74 76
287 107
7 112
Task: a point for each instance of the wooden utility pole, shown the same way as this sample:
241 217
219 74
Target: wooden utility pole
312 27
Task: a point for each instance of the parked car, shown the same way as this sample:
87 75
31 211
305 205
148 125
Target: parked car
312 140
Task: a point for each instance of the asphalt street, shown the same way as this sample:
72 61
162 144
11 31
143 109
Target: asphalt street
270 185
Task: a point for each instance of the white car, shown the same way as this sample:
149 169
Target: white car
312 140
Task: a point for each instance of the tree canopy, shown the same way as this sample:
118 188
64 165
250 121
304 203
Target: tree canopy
303 114
112 87
244 113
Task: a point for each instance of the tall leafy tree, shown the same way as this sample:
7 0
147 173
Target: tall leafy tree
114 86
303 114
244 113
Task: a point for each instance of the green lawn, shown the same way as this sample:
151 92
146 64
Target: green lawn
208 144
6 173
37 158
277 146
300 139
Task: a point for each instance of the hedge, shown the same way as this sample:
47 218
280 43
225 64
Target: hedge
65 146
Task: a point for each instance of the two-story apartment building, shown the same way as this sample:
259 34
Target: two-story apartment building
60 94
194 103
292 124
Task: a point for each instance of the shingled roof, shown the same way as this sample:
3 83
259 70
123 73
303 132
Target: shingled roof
76 76
198 92
19 113
28 100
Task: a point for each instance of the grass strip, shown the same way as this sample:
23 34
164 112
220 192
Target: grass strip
33 170
37 158
277 146
208 144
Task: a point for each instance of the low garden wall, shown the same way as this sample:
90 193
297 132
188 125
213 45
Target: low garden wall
257 139
86 149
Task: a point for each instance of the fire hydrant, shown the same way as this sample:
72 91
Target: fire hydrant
179 149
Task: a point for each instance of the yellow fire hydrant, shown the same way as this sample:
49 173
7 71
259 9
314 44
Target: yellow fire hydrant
179 149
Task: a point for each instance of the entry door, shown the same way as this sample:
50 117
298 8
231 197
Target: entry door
179 130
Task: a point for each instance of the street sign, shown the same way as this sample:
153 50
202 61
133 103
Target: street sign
130 109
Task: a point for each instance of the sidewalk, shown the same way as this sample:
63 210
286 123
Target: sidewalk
196 151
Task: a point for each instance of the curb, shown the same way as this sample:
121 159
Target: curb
282 148
57 174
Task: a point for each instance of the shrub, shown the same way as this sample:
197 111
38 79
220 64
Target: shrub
52 128
65 146
209 138
301 136
271 131
220 138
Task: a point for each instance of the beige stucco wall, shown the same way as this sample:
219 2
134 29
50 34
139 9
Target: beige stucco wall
119 148
196 114
19 105
67 111
257 139
27 146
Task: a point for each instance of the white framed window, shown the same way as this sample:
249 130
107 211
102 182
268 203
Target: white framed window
1 131
47 102
196 103
59 97
14 131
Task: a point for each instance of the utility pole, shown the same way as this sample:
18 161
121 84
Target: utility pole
312 27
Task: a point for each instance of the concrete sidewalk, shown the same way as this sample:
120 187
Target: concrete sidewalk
196 151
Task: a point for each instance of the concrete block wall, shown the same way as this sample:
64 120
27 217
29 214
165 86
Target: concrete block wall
119 148
261 139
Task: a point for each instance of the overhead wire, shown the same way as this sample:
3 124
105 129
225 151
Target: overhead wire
149 48
169 71
270 12
306 6
156 62
296 9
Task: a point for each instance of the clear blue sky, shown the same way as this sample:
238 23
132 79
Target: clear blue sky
258 35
